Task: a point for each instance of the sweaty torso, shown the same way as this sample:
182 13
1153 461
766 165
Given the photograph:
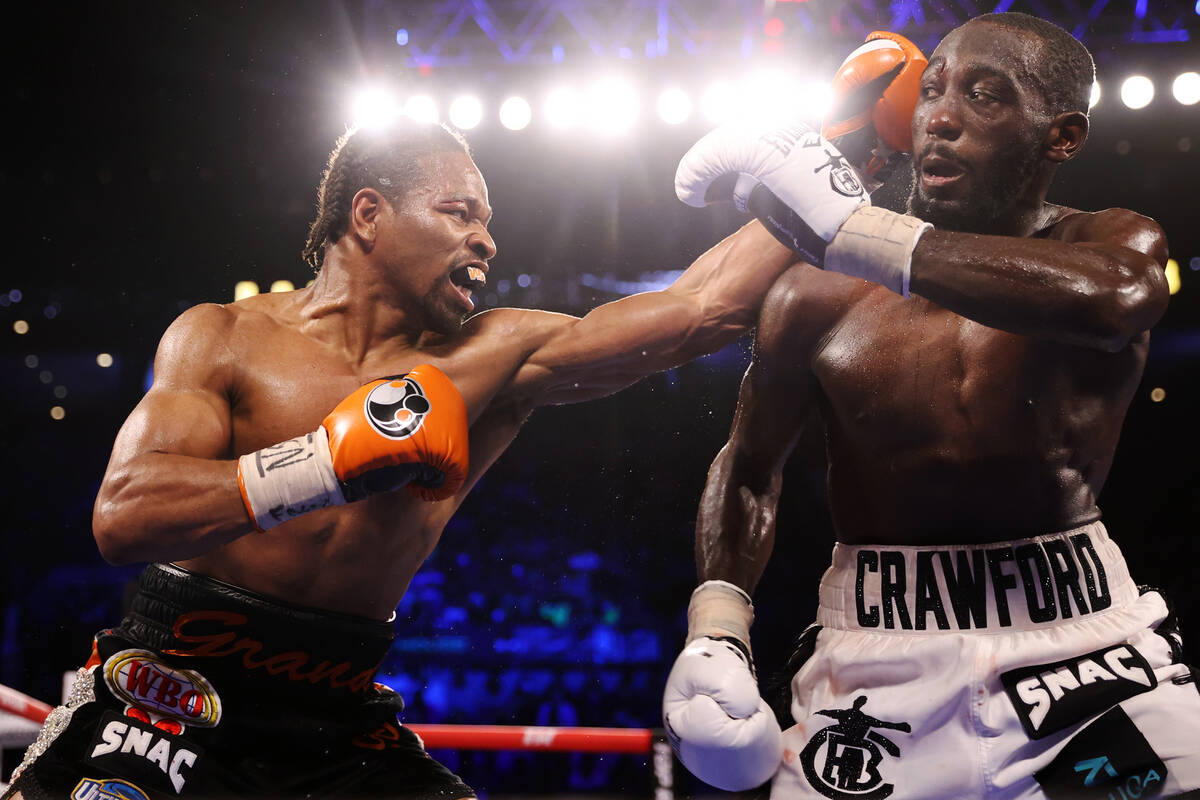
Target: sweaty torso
357 558
942 430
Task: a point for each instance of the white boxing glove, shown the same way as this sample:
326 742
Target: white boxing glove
806 194
719 726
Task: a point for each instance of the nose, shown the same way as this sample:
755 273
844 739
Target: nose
942 117
482 244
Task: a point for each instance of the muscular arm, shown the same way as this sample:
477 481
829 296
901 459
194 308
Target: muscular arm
735 526
167 494
715 300
1097 282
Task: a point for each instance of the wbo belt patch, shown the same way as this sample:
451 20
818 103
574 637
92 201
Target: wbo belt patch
142 752
143 680
1110 759
842 760
1051 697
106 789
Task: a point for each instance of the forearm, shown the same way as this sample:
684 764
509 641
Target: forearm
726 287
166 507
1072 293
735 526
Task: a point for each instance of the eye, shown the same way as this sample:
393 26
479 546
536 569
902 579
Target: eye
461 213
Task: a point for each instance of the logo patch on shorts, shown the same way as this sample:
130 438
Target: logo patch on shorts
1051 697
397 408
842 761
142 752
1109 759
106 789
141 679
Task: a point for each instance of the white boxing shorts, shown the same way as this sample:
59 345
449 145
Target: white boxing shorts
1025 669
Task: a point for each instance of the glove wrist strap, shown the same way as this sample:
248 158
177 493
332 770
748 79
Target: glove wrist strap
285 480
877 245
719 610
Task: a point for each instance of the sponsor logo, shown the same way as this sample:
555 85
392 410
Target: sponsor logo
539 737
128 747
397 408
842 761
1051 697
1109 759
105 789
141 679
952 588
294 665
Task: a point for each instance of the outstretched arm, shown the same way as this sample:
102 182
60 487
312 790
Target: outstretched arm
1098 283
713 302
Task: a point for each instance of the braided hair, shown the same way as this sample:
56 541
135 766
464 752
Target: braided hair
386 159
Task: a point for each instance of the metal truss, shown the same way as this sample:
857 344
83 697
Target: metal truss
492 33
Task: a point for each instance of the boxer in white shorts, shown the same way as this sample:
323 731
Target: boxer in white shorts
970 363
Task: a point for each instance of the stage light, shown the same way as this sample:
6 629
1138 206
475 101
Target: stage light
674 106
466 112
60 391
767 95
244 289
57 413
1174 281
1094 98
421 108
31 360
719 102
283 285
1158 394
562 108
104 359
1137 91
1186 88
613 106
21 327
815 99
373 108
515 113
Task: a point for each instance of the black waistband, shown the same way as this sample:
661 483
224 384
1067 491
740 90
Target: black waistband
186 615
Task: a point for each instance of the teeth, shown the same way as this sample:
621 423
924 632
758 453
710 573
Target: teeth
476 274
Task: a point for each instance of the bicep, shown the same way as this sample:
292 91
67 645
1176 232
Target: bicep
187 410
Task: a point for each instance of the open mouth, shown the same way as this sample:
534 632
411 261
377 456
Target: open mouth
937 171
468 279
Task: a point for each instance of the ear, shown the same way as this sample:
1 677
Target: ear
1068 131
366 207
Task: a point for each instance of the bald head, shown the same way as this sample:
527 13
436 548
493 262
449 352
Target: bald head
1047 56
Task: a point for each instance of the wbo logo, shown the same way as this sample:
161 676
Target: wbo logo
139 678
397 408
842 761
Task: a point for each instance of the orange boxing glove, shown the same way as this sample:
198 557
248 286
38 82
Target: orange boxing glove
875 92
408 430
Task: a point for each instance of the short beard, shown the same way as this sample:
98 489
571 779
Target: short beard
991 199
439 317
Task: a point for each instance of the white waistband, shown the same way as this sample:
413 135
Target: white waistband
999 586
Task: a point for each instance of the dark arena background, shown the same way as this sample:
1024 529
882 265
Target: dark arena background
164 154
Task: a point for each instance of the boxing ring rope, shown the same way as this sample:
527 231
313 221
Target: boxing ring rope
641 741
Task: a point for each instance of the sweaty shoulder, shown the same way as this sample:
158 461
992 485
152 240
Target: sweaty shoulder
522 328
207 343
802 307
1118 226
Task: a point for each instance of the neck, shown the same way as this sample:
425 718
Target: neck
352 307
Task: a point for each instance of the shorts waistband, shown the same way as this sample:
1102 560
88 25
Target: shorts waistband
185 615
1019 585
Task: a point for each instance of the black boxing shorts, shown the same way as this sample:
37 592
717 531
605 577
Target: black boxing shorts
210 691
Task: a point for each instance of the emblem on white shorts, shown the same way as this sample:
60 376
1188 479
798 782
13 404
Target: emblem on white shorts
842 760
